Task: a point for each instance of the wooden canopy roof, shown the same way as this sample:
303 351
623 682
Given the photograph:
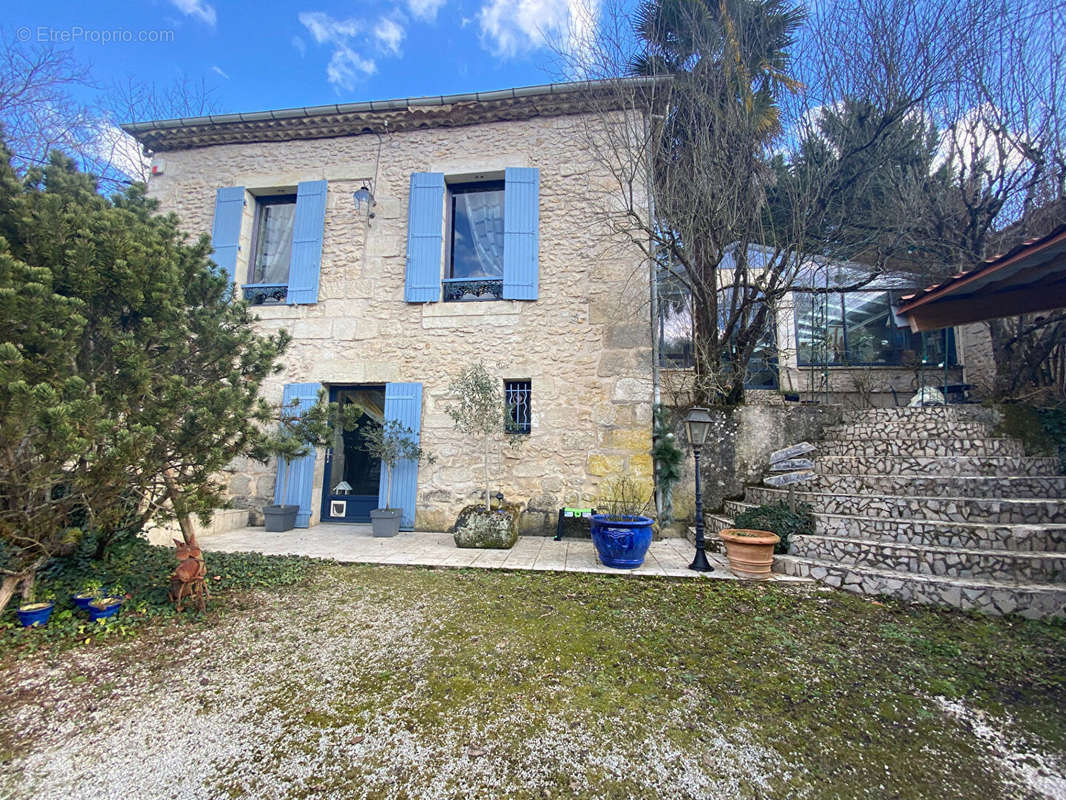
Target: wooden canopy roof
1029 278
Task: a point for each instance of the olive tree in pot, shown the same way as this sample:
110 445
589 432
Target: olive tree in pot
392 442
479 410
297 435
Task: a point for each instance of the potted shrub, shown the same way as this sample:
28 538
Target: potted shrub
391 442
479 410
90 591
297 435
621 531
104 607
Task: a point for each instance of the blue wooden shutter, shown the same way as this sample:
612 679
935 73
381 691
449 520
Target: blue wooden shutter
226 230
521 236
425 218
305 263
302 470
403 403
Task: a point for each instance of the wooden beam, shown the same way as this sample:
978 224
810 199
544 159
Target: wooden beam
1008 303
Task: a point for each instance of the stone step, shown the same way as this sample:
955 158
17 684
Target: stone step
1023 511
873 448
996 565
978 536
936 465
877 416
933 485
1036 600
944 429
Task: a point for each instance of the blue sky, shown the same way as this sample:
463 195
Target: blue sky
277 54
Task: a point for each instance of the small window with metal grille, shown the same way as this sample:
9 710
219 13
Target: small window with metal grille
519 396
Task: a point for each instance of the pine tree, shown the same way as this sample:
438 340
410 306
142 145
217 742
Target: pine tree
130 377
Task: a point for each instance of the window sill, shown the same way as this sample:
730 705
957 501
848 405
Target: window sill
459 314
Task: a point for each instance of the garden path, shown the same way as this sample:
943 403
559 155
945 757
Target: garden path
355 543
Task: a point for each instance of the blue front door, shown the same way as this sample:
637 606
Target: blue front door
351 481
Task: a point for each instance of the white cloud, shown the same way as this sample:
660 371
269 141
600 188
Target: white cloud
346 65
118 150
356 42
389 34
219 71
425 10
205 12
327 30
983 135
512 27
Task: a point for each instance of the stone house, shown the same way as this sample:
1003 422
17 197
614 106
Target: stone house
399 242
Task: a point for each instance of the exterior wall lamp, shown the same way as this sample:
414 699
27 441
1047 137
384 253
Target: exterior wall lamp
364 195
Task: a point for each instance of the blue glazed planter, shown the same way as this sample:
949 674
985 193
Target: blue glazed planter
82 600
621 544
95 612
35 617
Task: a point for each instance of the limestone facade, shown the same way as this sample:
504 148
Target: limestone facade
585 344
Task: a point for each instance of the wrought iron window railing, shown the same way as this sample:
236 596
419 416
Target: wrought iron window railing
519 396
260 294
458 289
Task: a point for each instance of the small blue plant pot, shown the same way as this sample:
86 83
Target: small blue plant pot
82 600
36 615
621 544
95 612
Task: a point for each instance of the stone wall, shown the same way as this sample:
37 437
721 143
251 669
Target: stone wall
975 351
585 344
738 450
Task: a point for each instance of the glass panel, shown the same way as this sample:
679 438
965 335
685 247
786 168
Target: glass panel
477 232
675 329
819 328
273 240
351 462
929 347
761 370
871 334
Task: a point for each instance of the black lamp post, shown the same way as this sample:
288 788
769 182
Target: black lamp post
699 423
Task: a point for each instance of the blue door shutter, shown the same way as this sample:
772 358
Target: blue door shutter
425 219
521 236
226 230
403 403
306 260
302 470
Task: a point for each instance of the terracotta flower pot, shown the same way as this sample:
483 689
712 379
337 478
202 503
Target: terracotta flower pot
750 553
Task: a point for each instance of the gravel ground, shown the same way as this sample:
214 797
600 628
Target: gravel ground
218 714
335 692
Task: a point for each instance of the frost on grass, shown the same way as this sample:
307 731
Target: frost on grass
384 682
1041 773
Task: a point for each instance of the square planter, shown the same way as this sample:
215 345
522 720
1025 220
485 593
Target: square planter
386 521
280 518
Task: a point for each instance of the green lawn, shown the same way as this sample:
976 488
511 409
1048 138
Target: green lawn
405 682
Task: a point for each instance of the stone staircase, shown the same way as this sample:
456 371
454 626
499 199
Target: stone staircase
924 504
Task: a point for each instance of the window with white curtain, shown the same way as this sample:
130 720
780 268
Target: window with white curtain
476 231
272 239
